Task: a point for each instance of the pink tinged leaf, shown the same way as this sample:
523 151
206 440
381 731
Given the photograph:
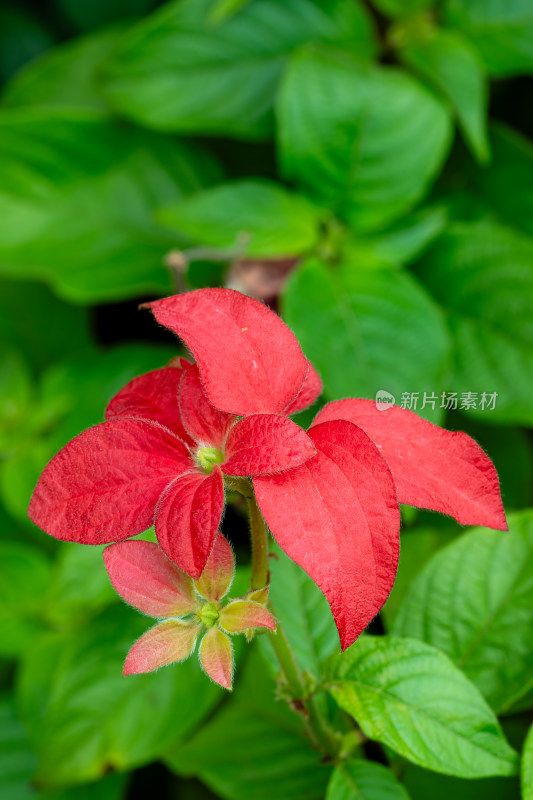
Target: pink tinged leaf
166 643
146 579
308 393
249 360
104 485
153 396
338 518
205 423
215 580
240 615
263 444
432 468
187 518
216 657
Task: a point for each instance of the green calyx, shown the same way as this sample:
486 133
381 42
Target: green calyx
207 457
209 614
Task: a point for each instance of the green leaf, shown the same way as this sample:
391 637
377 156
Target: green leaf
177 71
474 601
417 547
252 217
73 396
89 14
80 586
481 274
15 397
34 321
402 8
402 242
254 747
77 199
448 61
364 780
506 184
18 764
527 767
423 784
366 344
225 9
85 719
502 30
43 83
22 37
24 581
410 697
304 612
366 140
17 761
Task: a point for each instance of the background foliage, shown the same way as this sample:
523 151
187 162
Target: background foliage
365 167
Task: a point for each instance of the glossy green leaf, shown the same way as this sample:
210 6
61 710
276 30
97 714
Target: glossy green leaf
25 576
481 274
527 768
178 71
254 747
85 719
43 83
77 199
367 346
364 780
366 140
502 30
249 217
304 612
474 601
410 697
450 64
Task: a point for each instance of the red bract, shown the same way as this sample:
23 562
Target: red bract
330 497
160 458
150 582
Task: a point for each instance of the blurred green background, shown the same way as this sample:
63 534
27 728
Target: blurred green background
363 167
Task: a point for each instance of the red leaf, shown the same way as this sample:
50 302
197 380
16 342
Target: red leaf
215 580
103 486
310 390
205 423
187 519
166 643
146 579
432 467
153 396
337 517
249 360
216 657
263 444
241 615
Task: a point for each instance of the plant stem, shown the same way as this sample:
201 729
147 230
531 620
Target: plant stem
260 572
316 725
